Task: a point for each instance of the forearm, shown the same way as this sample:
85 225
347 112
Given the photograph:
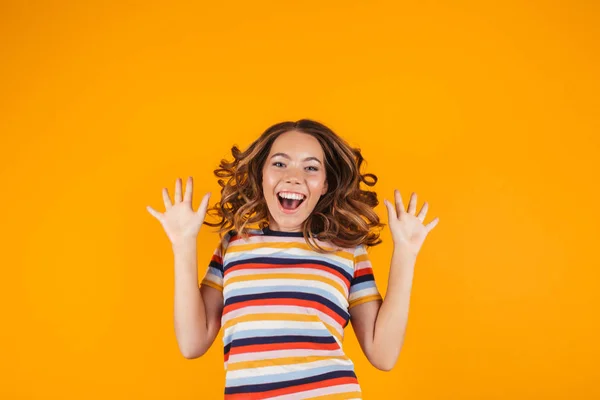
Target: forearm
390 325
189 311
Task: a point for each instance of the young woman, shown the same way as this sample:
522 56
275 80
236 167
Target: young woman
291 269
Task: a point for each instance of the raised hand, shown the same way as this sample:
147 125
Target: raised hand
408 230
179 220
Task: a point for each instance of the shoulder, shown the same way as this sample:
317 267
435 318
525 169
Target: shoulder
225 239
359 250
233 237
361 257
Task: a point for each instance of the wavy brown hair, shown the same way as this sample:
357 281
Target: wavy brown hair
344 215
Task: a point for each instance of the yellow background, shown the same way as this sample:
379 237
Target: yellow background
488 110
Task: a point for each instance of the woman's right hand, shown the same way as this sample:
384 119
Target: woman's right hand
179 220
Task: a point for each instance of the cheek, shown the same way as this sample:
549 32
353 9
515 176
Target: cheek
317 185
269 181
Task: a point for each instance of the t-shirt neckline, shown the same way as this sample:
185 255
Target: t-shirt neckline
269 232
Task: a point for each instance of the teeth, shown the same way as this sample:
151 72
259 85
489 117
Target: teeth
293 196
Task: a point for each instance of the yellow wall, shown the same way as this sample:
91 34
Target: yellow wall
489 112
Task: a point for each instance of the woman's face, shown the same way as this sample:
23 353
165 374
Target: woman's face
294 179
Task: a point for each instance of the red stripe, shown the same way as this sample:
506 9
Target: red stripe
363 271
293 389
216 258
286 302
255 348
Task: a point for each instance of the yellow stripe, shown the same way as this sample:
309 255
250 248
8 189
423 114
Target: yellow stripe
362 257
206 282
365 300
282 317
280 362
333 331
284 245
304 277
339 396
272 317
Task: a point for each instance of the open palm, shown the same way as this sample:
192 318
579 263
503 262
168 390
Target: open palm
407 229
179 220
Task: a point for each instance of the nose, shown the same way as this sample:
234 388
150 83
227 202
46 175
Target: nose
292 176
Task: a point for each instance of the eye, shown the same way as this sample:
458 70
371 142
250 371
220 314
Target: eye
278 164
312 168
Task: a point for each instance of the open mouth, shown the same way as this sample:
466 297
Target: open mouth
290 201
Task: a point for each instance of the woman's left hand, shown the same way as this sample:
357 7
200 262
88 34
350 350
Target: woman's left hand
408 230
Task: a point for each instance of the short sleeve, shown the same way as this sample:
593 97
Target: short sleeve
363 287
214 273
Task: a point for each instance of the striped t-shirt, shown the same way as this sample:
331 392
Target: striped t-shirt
285 310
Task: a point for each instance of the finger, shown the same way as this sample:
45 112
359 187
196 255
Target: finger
166 198
154 213
203 205
432 224
423 213
399 203
189 186
177 197
412 204
390 210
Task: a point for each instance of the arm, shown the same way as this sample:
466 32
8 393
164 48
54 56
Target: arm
197 311
380 327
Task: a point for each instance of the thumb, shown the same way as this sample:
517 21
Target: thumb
203 205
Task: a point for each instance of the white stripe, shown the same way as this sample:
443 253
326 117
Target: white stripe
362 293
268 239
346 388
267 284
213 278
286 253
278 369
360 250
362 265
323 318
305 271
248 325
251 325
265 309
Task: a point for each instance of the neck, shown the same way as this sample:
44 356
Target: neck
274 226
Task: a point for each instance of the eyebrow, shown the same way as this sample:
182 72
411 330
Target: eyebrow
289 158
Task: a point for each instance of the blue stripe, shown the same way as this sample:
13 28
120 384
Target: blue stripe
282 259
361 286
272 332
237 343
242 291
285 339
268 384
364 278
215 271
216 265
